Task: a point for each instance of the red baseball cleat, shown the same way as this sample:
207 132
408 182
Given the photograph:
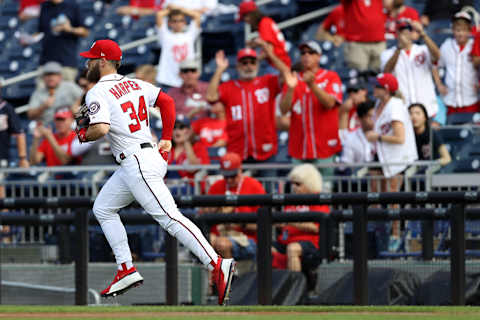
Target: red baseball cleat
123 281
222 275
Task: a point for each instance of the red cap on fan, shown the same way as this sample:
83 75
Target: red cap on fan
387 81
244 8
246 53
107 49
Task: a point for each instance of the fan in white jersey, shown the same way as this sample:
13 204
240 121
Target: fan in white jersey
461 82
118 109
412 65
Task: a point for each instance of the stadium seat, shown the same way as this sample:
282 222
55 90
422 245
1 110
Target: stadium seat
463 117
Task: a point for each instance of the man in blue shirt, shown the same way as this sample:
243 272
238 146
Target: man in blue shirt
62 24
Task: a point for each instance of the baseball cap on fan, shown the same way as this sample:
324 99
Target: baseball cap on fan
246 53
107 49
462 15
229 164
387 81
63 113
245 8
312 45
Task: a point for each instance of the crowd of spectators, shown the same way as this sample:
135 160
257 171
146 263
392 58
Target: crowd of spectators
326 120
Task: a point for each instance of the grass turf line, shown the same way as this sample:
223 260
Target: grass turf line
307 309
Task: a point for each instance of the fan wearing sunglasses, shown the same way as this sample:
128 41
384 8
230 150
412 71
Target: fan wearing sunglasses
296 247
249 103
313 99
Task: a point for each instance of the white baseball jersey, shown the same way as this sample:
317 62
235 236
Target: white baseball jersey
414 73
356 147
176 47
395 110
461 77
124 104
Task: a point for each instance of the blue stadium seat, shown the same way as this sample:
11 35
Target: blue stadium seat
463 117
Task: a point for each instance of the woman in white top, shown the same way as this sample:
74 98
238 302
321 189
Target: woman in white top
394 139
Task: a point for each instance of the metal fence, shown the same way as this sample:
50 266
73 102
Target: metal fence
360 216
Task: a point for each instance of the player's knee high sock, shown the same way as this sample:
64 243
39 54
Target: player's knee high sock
116 235
190 236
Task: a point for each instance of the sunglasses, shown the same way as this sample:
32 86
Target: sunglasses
310 52
296 183
180 126
188 70
245 62
177 20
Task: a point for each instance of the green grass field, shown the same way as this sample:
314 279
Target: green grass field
239 312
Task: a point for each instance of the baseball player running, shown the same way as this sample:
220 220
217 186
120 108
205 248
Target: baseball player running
118 107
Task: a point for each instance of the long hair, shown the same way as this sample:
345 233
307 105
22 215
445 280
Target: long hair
425 113
309 176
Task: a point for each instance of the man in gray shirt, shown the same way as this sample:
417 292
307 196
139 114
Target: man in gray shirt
55 93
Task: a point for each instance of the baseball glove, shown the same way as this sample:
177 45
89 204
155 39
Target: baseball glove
81 117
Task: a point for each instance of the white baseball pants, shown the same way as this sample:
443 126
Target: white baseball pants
140 178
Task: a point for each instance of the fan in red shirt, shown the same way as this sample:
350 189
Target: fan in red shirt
297 243
249 103
313 101
55 149
333 27
185 151
267 29
396 13
212 130
229 239
365 38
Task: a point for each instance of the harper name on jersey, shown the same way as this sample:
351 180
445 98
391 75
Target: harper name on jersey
123 88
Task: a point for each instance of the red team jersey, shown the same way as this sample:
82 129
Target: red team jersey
47 150
250 115
336 19
292 234
362 20
210 130
247 185
200 151
268 31
314 128
408 13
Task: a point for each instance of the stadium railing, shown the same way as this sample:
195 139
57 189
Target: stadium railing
359 215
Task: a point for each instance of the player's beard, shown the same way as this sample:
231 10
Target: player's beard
93 74
247 75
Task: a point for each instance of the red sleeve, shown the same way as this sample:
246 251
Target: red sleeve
167 110
476 46
201 152
71 137
266 32
329 20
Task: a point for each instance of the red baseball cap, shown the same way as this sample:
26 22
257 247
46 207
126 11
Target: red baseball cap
63 113
244 8
387 81
107 49
229 164
246 53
